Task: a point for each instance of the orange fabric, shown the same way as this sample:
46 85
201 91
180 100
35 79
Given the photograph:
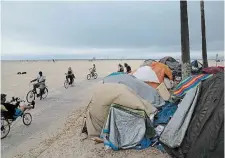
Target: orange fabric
161 70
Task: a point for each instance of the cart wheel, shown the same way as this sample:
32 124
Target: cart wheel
27 119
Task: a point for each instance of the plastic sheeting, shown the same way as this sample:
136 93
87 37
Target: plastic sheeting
123 129
139 87
175 130
205 134
146 74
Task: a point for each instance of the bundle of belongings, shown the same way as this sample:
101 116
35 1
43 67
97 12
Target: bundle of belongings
126 112
196 67
213 70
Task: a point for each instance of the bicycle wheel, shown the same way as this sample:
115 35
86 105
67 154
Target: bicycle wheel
89 76
95 75
66 84
5 128
30 96
27 119
45 93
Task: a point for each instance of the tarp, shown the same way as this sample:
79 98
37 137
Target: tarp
111 93
161 71
165 113
115 73
174 132
212 70
196 67
146 74
205 134
171 62
185 85
147 62
125 128
139 87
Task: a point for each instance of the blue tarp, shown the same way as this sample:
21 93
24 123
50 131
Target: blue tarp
115 73
166 112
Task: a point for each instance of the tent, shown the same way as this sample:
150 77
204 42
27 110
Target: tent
171 62
161 71
205 133
104 95
149 73
146 74
147 62
127 128
139 87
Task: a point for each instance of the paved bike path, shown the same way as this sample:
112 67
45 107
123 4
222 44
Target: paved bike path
48 116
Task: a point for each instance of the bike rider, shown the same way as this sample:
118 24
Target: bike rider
70 75
40 82
93 70
14 109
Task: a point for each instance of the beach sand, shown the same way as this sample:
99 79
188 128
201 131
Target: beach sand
55 130
18 85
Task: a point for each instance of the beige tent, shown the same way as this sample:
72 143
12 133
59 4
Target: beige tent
106 94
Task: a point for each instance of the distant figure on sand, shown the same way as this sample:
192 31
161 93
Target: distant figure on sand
70 75
40 82
120 68
127 67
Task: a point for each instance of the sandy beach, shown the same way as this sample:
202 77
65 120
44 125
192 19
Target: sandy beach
55 130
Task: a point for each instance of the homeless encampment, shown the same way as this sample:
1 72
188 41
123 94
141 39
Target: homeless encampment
107 94
139 87
204 135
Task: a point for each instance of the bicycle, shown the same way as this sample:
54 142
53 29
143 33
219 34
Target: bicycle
32 94
92 74
67 83
7 120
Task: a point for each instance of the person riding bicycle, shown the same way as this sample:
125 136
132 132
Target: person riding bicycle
40 82
70 75
93 70
13 109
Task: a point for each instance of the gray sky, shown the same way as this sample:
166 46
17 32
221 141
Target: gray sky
113 29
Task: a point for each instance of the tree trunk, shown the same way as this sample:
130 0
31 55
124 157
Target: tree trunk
185 48
204 49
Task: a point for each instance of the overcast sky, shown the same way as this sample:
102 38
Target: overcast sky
107 29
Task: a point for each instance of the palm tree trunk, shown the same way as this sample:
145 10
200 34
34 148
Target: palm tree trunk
185 48
204 49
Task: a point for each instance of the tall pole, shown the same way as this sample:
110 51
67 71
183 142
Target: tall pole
185 48
204 49
216 58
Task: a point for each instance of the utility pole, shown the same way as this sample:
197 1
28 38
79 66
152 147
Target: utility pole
185 47
204 49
